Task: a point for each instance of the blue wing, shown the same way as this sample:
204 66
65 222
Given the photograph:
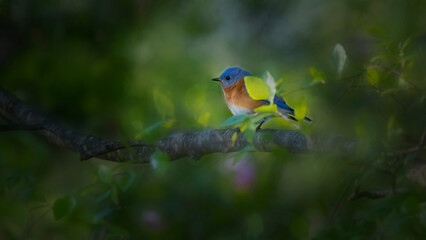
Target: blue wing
284 108
279 101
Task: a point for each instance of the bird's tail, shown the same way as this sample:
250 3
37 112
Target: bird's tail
307 119
293 118
290 114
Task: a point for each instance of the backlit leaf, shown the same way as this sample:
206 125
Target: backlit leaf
373 76
63 206
256 88
340 55
105 174
277 123
272 86
155 129
249 132
126 181
318 77
389 91
234 120
266 108
300 110
102 214
259 116
160 161
103 196
234 137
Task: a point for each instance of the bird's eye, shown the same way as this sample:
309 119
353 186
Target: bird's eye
227 77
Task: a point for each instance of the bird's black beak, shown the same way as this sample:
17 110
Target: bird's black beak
216 79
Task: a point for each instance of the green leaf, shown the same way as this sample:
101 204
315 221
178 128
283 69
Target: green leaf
102 214
241 154
402 82
300 110
163 103
126 181
155 129
234 120
373 76
259 116
234 137
103 196
278 123
256 88
389 91
340 54
105 174
381 57
317 75
249 132
267 108
63 206
160 161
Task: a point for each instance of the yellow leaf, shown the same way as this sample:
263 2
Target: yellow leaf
277 123
256 88
373 76
266 108
317 75
244 126
300 110
234 137
169 123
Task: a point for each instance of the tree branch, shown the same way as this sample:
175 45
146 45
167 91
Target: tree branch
176 146
18 127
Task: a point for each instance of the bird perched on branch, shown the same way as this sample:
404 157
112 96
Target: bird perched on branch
239 100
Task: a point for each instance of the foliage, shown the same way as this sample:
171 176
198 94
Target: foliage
141 69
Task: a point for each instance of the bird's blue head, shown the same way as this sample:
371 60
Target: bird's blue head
231 75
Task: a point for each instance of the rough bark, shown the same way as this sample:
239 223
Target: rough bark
178 145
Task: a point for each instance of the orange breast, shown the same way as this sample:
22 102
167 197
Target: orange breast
238 95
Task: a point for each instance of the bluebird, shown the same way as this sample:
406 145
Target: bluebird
238 99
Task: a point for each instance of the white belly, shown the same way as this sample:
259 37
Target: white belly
238 110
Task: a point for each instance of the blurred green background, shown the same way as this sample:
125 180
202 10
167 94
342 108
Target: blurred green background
141 69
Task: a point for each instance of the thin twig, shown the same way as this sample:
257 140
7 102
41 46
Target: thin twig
338 203
307 87
417 148
31 226
373 194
